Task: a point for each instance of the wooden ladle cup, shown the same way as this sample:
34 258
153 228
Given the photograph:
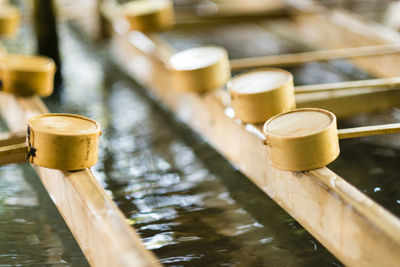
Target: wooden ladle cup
9 20
149 15
24 75
306 139
260 94
199 69
58 141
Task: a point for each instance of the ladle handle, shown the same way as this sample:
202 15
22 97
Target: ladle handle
304 57
369 131
373 83
13 153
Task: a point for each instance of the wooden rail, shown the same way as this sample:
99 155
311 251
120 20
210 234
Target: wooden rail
97 224
8 139
353 227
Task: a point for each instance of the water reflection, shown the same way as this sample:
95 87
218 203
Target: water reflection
189 205
32 231
367 163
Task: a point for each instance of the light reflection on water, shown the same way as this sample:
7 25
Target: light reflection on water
31 230
189 205
366 163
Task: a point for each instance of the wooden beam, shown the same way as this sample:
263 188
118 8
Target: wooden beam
353 227
97 224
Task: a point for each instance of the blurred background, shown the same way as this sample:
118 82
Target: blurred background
191 207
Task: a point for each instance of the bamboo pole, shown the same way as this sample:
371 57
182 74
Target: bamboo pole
386 83
323 55
369 131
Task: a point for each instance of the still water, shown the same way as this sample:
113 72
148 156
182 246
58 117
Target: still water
190 206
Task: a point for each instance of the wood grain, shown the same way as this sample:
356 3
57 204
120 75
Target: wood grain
93 218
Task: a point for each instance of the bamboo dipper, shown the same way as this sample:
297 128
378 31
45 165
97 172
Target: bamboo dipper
208 68
24 75
9 20
58 141
199 69
158 15
149 15
259 94
306 139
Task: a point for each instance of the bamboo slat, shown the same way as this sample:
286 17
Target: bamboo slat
95 221
353 227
